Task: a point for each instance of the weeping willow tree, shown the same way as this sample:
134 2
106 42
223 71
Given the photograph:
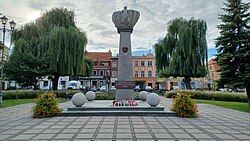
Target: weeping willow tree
55 38
65 47
183 52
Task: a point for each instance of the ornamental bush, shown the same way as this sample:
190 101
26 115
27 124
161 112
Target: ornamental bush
184 106
46 106
217 96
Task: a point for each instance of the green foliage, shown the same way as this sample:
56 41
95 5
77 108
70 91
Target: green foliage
184 106
217 96
24 67
52 45
27 94
46 106
183 52
233 44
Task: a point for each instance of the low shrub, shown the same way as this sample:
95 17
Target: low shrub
105 96
46 106
217 96
28 94
184 106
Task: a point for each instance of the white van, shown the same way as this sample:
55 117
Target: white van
75 85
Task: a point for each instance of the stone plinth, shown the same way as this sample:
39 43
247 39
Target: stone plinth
124 22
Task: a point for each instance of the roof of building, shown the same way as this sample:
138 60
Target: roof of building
147 56
102 56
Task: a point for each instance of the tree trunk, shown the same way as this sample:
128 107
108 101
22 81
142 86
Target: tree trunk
248 94
55 82
187 81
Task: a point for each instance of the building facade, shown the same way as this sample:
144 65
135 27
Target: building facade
101 75
144 70
213 68
5 58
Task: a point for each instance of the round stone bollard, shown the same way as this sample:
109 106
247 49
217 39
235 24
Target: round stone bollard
90 95
78 99
143 95
153 99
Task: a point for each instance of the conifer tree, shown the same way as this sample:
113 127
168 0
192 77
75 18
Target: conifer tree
233 45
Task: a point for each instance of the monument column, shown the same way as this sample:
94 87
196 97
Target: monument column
124 22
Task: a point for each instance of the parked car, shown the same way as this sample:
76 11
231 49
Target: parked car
75 85
148 89
137 88
112 88
103 89
226 89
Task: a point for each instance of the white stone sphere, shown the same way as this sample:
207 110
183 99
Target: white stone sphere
78 99
90 95
143 95
153 99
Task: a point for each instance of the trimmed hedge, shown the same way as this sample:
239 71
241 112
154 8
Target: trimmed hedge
28 94
217 96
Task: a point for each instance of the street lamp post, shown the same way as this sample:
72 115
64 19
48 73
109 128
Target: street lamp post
12 26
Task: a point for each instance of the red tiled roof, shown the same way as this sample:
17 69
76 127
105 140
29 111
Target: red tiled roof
102 56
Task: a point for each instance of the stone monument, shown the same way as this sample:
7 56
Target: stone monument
124 22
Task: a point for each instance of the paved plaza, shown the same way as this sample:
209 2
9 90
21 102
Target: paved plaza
214 123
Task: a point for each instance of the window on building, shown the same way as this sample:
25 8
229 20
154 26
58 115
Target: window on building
45 83
114 73
142 74
136 74
150 63
96 63
101 72
63 83
136 63
114 64
142 63
149 73
210 67
107 73
94 73
212 74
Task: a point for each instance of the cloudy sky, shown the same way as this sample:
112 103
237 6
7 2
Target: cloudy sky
95 18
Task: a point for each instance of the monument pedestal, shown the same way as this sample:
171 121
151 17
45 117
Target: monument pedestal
124 22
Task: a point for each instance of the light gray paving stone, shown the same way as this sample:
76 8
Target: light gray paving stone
70 130
182 136
64 136
224 136
124 136
2 137
163 136
242 137
84 136
104 136
202 136
23 137
43 136
143 136
51 131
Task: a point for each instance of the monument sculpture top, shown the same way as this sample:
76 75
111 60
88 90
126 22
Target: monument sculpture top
125 20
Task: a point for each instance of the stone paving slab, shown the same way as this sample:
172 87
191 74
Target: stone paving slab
214 123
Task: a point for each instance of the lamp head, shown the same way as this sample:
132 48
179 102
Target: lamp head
4 20
12 25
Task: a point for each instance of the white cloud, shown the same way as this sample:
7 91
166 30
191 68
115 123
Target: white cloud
94 17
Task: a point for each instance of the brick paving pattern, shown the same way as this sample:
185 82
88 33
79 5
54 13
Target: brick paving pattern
214 123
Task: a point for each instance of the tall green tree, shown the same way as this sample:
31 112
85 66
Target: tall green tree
183 52
233 45
55 38
25 68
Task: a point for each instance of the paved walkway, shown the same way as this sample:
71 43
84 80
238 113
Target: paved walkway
214 123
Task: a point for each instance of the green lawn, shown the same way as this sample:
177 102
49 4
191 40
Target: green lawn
13 102
240 106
